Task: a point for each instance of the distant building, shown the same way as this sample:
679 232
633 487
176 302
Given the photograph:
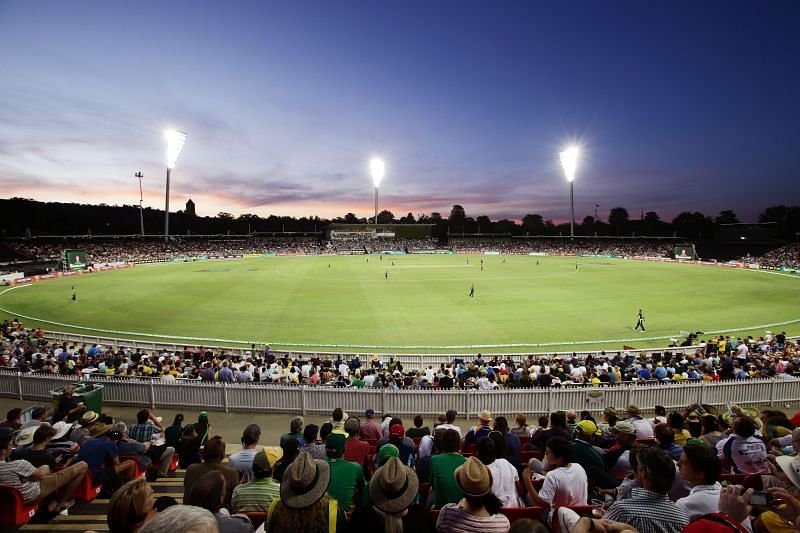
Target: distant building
190 212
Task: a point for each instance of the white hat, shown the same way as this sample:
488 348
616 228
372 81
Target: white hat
61 428
25 436
791 467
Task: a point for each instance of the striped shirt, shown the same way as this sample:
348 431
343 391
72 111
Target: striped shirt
255 496
649 512
453 519
16 474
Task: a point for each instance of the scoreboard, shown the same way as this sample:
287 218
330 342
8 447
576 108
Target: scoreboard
685 252
74 260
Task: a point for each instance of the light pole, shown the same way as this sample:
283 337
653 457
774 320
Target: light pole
175 141
377 169
141 201
569 160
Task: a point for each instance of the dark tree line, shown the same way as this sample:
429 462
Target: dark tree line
18 216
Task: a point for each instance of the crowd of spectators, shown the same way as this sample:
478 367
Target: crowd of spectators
665 473
605 247
786 256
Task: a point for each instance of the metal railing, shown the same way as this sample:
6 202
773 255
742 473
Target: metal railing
305 399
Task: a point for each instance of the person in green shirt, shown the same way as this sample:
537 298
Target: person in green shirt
296 425
347 478
584 454
357 382
443 466
417 432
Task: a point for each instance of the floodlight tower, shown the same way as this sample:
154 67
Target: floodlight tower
569 160
175 141
141 201
377 169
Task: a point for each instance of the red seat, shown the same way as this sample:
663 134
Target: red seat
87 491
13 511
138 470
582 510
173 465
424 490
530 454
517 513
525 439
416 442
645 442
434 516
256 517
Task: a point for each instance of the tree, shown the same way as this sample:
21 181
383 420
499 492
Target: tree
533 224
350 218
693 225
484 224
456 219
619 219
408 219
222 215
385 217
726 217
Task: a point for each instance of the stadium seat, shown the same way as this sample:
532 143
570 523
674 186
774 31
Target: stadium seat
13 511
138 471
530 454
424 490
256 517
416 442
173 465
517 513
87 490
525 439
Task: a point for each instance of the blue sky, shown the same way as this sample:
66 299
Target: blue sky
678 105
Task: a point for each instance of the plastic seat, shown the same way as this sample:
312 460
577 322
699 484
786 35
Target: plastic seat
13 510
138 471
87 490
517 513
530 454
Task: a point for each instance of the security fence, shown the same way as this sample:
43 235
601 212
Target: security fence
305 399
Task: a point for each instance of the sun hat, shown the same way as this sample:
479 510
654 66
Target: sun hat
485 416
473 478
61 428
387 451
304 482
633 410
396 430
25 436
98 429
6 432
791 467
88 418
393 487
625 428
610 411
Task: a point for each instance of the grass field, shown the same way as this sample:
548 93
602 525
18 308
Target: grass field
423 305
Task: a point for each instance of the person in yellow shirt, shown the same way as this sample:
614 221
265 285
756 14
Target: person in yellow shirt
676 422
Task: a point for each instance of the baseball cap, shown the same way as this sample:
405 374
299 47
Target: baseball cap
587 427
370 413
625 427
335 442
386 451
266 458
397 431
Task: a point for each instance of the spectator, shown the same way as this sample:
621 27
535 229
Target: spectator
304 505
213 454
69 408
649 508
404 444
313 446
676 423
558 428
392 492
243 461
369 429
417 432
617 457
12 420
355 449
81 431
479 509
38 484
644 431
145 427
38 415
505 478
565 483
512 448
743 451
521 429
172 434
700 466
258 494
338 416
295 430
481 430
182 519
208 492
188 447
450 422
203 428
291 448
665 437
101 454
131 507
347 479
388 451
444 488
147 451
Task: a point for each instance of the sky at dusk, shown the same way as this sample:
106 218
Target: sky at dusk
679 105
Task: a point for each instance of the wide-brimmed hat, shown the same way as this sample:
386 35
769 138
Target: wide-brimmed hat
610 411
25 436
305 481
791 467
633 410
625 428
393 487
473 478
99 429
485 415
88 418
61 428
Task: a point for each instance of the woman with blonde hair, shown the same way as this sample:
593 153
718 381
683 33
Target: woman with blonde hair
131 507
521 430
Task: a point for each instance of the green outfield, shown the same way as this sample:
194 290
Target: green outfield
419 303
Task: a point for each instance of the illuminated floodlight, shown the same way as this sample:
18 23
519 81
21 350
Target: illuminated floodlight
377 169
569 160
175 141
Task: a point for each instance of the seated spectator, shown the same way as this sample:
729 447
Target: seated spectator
521 429
700 466
38 454
188 448
182 519
81 431
146 426
355 449
101 454
13 420
203 428
213 454
512 448
565 483
393 493
304 505
313 446
505 478
676 423
417 432
291 449
388 451
172 434
649 507
257 495
38 484
479 509
337 418
617 457
711 430
243 461
369 429
743 451
38 415
450 422
644 431
208 492
131 506
558 428
444 488
296 425
347 479
481 430
664 438
583 451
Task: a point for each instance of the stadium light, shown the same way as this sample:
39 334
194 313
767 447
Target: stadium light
175 141
569 160
377 168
